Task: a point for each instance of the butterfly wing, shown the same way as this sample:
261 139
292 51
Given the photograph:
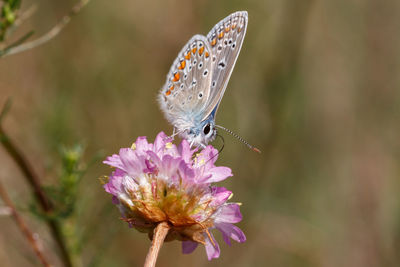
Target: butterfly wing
187 87
225 39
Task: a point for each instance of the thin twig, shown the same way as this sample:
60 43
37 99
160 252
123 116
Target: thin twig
21 18
22 163
33 180
23 227
160 232
49 35
18 42
25 15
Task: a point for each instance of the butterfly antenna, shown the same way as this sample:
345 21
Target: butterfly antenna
240 138
223 143
220 150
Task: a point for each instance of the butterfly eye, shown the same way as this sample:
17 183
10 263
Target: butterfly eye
206 129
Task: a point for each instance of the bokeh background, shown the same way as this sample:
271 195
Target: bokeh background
316 88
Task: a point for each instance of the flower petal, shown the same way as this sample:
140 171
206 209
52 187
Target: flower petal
229 213
142 145
186 172
153 163
114 185
217 174
185 152
189 246
208 156
231 231
133 165
169 168
114 161
159 143
219 195
211 249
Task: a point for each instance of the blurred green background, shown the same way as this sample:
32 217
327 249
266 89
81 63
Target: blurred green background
316 88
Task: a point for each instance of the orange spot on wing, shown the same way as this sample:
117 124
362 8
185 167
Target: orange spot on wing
201 50
168 92
171 88
234 26
176 77
188 55
194 50
220 35
182 65
239 29
227 28
213 42
206 54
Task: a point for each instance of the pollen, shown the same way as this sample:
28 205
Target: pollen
133 146
201 50
176 77
220 35
168 145
182 65
199 162
214 42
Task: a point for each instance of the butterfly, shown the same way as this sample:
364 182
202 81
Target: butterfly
197 80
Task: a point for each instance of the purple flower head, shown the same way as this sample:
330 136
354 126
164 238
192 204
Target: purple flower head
160 182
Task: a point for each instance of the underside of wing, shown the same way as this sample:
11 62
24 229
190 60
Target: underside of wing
187 87
225 39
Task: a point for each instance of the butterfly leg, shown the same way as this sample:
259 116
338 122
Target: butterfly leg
173 134
191 143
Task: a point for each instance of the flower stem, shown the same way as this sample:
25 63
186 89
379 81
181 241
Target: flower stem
160 232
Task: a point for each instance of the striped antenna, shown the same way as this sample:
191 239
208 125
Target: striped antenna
240 138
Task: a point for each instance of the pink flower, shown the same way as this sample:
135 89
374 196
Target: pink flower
160 182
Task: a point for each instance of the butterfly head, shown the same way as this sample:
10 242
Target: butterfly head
202 134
